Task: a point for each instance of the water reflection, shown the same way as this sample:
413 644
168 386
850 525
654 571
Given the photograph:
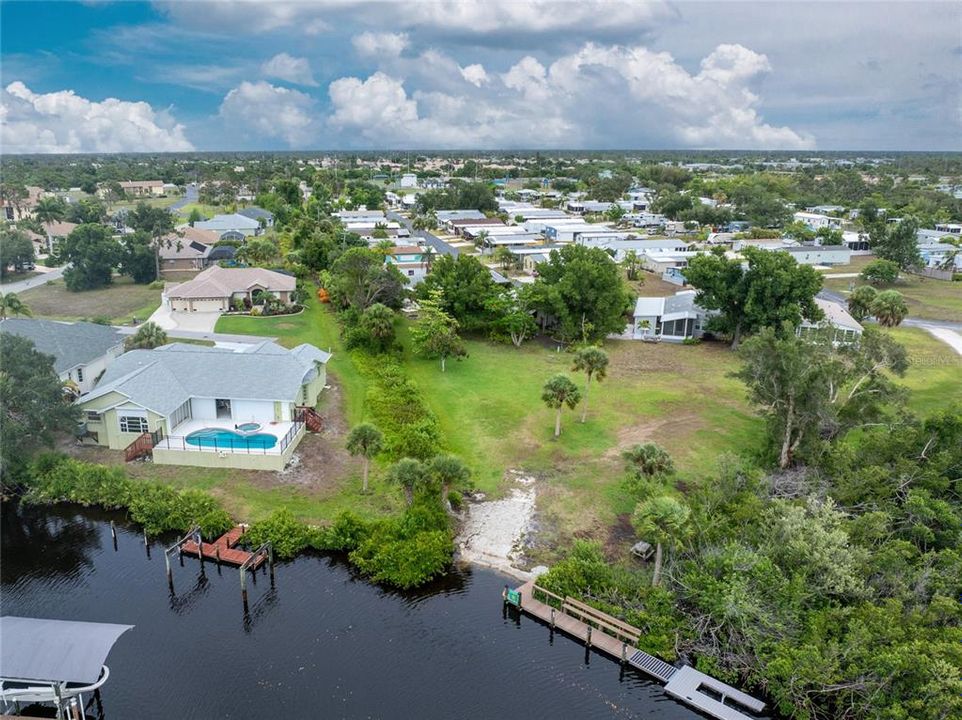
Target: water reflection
55 544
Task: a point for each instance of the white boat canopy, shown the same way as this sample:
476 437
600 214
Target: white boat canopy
62 651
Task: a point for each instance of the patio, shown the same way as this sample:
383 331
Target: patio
284 432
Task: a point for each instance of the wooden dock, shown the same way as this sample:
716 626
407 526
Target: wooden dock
619 640
224 549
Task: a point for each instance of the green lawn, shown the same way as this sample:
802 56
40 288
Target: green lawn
207 211
120 301
934 373
927 299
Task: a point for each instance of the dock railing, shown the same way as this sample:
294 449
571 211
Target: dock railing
608 624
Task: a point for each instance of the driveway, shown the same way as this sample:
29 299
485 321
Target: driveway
195 322
950 337
46 275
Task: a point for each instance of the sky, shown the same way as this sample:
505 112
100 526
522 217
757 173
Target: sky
181 75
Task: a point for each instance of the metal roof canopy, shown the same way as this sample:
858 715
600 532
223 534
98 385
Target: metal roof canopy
55 650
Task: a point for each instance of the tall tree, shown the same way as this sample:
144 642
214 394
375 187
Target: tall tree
16 250
32 405
890 308
367 441
861 300
901 243
466 290
435 334
137 257
446 471
50 209
361 278
558 392
662 519
581 293
376 324
773 289
11 304
409 474
93 254
632 264
157 223
593 362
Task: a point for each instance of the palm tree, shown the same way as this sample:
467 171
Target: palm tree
480 238
648 460
410 474
890 308
384 248
448 470
148 336
378 322
630 263
558 392
593 362
663 519
427 256
861 300
504 257
50 209
10 303
367 441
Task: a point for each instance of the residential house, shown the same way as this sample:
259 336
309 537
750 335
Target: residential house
411 261
806 254
673 318
216 288
444 216
14 210
817 221
207 406
230 226
57 231
459 226
81 351
950 228
844 328
941 255
143 188
189 248
409 180
264 217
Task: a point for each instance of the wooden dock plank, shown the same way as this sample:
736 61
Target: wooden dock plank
224 549
683 683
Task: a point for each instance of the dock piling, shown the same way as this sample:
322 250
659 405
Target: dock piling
588 638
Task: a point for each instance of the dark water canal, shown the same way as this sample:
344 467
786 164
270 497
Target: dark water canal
323 643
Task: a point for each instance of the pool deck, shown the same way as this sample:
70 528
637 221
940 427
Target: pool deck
177 439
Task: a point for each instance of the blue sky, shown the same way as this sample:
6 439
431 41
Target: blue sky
102 76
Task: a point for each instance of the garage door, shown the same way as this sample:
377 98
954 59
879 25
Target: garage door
208 305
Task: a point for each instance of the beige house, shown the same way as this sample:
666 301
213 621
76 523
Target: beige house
215 289
143 188
208 406
14 209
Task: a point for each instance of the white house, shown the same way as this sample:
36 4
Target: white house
411 261
81 351
409 180
817 221
845 329
673 318
235 224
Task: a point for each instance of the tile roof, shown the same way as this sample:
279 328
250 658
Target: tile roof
70 344
219 282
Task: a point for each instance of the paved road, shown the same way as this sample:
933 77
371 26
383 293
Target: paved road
35 281
191 195
440 246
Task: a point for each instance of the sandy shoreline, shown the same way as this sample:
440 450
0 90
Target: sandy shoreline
493 533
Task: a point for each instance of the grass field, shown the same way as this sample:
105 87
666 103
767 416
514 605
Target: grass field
120 301
935 371
927 298
205 210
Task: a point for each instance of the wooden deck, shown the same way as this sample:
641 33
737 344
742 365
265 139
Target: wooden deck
223 549
618 639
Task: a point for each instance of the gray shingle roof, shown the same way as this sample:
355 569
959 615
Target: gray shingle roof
70 344
163 379
256 213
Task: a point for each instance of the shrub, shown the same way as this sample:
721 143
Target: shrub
158 508
288 535
880 272
456 499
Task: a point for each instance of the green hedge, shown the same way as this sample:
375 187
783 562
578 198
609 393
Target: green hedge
398 408
404 551
158 508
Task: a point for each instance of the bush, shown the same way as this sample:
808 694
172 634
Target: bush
880 272
158 508
288 535
456 500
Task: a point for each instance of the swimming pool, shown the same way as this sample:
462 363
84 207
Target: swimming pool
222 439
248 428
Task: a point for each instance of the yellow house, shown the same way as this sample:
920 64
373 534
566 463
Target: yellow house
208 406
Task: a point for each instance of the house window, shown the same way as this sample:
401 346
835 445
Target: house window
80 374
133 424
93 416
410 273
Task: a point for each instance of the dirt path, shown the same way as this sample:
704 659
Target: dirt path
494 531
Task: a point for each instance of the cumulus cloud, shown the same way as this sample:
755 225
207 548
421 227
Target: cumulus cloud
292 69
64 122
599 96
475 74
382 44
268 111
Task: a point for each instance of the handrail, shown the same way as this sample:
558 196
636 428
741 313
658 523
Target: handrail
602 625
65 690
630 629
